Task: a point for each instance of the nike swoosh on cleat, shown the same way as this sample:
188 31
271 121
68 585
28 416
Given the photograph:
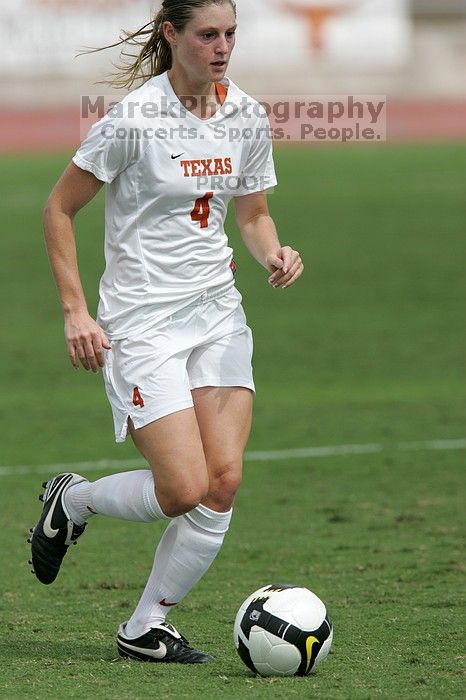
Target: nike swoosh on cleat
159 653
175 157
69 533
49 531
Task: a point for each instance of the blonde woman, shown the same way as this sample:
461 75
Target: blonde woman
171 336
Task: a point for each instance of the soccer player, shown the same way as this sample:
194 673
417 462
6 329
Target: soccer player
171 335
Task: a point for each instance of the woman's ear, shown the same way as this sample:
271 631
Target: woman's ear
169 33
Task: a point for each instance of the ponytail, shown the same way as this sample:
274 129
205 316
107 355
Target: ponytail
153 52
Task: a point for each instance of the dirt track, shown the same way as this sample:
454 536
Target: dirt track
55 130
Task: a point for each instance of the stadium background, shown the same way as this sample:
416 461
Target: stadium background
354 480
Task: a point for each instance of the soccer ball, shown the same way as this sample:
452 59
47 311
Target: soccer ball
283 630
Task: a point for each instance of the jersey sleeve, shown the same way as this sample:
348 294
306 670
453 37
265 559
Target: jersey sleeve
258 171
111 146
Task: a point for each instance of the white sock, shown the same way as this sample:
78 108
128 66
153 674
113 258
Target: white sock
128 496
187 549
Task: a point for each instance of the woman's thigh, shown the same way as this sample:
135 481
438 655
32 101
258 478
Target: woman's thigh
224 416
174 450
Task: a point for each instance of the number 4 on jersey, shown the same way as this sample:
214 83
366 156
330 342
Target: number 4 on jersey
201 210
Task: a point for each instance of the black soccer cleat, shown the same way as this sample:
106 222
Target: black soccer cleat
54 532
163 644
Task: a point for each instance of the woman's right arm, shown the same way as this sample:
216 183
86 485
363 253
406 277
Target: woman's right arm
85 340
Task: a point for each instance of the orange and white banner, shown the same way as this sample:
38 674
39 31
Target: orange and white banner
42 37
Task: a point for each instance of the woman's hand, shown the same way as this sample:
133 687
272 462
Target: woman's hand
85 341
286 267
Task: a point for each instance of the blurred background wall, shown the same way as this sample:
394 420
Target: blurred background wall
414 51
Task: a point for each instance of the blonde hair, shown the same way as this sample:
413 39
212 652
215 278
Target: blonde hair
154 56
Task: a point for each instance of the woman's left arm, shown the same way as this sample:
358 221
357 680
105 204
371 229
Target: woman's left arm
259 234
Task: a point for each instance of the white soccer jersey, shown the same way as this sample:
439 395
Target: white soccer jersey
170 176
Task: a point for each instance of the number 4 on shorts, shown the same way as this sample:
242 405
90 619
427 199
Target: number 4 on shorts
201 210
137 398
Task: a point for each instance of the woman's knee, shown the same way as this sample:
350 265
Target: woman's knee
224 483
177 498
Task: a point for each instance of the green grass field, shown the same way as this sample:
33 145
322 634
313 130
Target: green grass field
367 348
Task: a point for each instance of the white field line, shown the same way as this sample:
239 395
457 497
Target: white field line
259 456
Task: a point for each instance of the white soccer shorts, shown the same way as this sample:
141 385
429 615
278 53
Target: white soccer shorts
208 343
